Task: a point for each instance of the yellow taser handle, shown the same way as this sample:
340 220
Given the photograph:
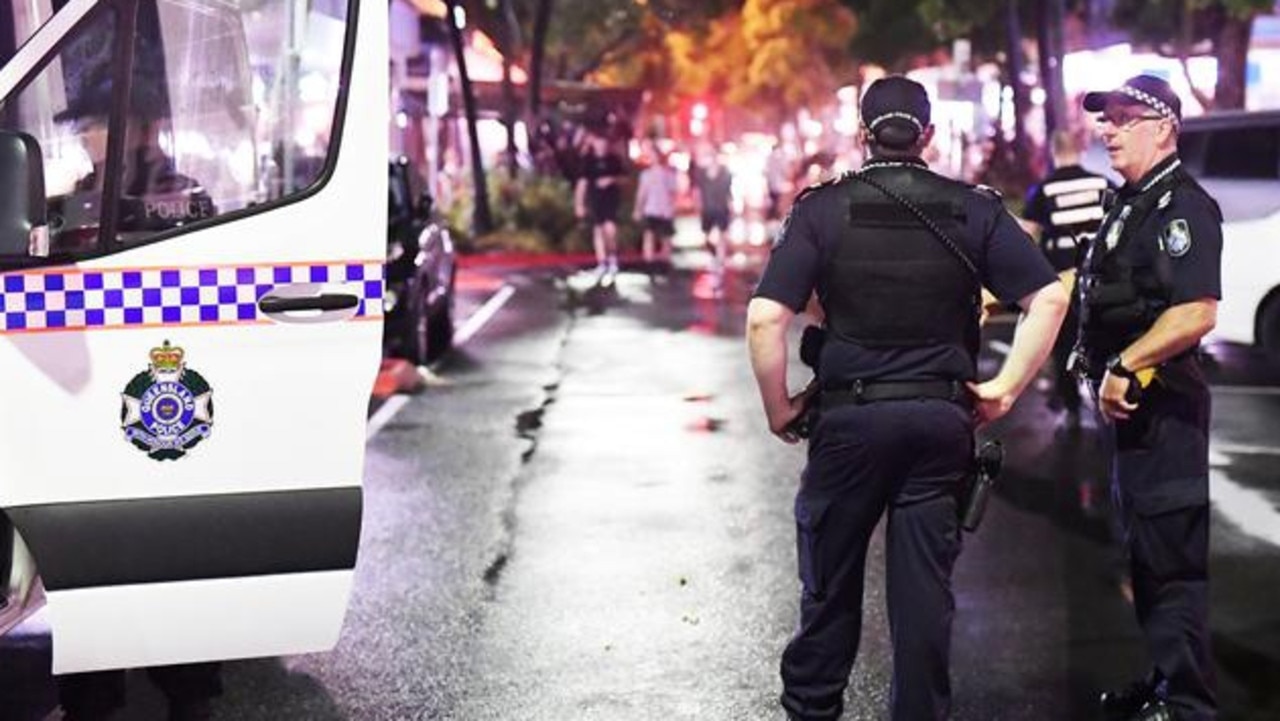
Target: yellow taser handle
1145 376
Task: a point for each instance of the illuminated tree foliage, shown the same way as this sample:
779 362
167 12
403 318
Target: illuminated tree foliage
766 59
1179 28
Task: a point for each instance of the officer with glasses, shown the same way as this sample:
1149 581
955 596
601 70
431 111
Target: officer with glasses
1149 290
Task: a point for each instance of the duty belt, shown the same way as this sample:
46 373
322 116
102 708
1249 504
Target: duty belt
860 392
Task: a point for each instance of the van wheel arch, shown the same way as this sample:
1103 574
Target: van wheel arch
1267 326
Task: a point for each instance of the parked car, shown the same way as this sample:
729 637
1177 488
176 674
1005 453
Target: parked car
1236 156
421 272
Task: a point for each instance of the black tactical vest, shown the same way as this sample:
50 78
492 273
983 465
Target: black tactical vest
888 281
1120 300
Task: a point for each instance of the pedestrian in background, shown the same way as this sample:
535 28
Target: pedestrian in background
777 173
598 196
1150 286
713 195
898 255
655 208
1062 213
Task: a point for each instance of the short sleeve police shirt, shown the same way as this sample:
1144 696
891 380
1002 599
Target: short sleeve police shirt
1010 264
1191 235
1186 230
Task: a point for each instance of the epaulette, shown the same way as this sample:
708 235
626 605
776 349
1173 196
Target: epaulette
818 186
989 191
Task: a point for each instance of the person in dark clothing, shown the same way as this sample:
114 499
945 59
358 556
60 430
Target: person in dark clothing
897 256
599 195
1062 213
1149 290
713 194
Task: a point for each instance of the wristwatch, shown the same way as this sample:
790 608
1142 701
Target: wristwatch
1116 368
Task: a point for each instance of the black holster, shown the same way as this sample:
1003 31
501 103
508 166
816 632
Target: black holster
986 469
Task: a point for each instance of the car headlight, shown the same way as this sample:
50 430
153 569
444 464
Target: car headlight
390 299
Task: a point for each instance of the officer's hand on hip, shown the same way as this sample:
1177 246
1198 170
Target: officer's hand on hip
991 400
1112 397
780 419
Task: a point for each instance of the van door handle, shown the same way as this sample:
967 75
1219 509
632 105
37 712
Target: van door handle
272 304
310 303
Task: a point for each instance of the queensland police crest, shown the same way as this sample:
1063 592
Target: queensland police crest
1177 238
167 409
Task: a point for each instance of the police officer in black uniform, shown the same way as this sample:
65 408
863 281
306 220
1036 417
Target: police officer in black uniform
1062 213
1149 292
896 399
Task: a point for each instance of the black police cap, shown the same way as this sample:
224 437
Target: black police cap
896 108
90 96
1148 90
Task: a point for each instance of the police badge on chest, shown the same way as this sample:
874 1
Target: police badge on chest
1117 227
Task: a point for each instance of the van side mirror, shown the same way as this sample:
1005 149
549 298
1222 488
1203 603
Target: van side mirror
24 226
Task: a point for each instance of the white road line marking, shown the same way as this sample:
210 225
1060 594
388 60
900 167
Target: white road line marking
1246 390
466 332
385 413
1245 449
486 312
1251 511
1000 347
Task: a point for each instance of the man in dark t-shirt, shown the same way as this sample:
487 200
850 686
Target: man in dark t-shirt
1062 214
598 196
713 192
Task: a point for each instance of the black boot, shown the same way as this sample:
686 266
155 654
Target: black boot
1125 704
1154 711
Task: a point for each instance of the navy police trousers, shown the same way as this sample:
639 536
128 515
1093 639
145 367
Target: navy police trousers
909 458
1162 491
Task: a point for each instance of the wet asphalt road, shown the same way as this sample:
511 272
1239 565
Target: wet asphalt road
582 516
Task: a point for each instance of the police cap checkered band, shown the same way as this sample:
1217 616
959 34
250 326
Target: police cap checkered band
895 98
1145 89
892 116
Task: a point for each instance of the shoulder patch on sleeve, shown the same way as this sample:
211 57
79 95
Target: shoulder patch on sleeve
989 191
781 235
1176 238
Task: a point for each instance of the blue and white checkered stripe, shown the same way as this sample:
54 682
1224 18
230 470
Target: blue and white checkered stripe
101 299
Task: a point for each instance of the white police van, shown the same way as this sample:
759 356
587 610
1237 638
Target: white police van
191 261
1236 156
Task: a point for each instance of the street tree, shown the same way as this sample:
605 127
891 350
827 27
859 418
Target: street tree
899 34
1182 28
767 59
482 217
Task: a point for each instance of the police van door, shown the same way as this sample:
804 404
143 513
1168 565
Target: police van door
186 358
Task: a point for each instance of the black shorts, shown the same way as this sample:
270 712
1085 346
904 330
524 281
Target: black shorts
661 227
603 206
715 219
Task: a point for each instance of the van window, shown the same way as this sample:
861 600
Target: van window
68 144
232 107
1250 152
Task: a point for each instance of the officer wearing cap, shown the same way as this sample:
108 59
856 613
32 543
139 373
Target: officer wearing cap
1149 288
896 255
